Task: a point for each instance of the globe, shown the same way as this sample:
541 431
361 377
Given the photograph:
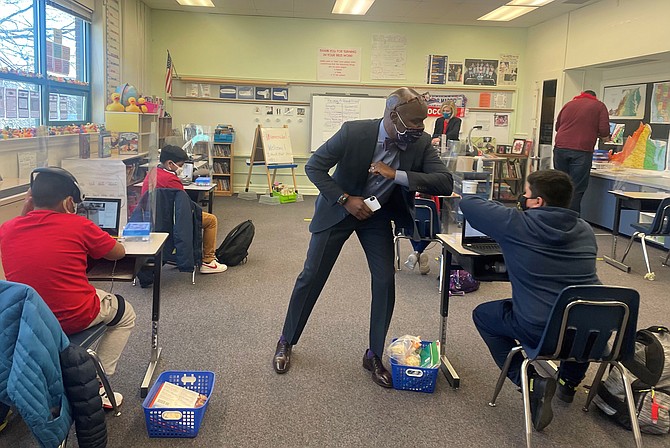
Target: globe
126 91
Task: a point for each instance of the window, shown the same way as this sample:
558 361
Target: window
44 64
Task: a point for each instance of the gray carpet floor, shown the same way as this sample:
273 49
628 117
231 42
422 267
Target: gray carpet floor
229 323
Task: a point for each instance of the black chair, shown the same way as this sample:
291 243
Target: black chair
660 226
427 222
587 324
87 339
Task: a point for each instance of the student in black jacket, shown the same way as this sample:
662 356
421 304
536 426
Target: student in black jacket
448 124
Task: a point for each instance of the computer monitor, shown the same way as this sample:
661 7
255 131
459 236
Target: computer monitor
104 212
188 171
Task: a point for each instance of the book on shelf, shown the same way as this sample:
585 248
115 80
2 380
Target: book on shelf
105 144
84 146
221 150
128 143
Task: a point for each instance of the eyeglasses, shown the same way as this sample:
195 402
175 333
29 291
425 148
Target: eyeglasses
407 128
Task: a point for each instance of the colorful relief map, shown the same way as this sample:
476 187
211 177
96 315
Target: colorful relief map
625 101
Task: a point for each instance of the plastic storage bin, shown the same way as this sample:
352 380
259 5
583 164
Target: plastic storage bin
417 379
178 422
285 198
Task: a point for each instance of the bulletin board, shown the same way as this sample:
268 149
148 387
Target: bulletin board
329 112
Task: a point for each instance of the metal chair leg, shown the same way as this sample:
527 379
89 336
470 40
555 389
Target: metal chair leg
632 412
650 275
503 374
193 276
439 277
396 243
595 385
105 381
630 244
665 263
525 390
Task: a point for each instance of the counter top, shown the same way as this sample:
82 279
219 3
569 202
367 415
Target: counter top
645 178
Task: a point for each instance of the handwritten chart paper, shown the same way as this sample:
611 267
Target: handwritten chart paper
389 56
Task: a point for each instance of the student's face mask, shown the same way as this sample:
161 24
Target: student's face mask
522 202
179 170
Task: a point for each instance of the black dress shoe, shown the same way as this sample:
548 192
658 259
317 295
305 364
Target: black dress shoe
380 375
282 360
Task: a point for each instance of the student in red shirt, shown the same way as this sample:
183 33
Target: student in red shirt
166 175
47 248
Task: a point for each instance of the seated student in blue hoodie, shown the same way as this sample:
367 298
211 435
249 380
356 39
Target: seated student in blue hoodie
547 247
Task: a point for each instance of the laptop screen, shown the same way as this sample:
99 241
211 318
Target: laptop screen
472 235
104 212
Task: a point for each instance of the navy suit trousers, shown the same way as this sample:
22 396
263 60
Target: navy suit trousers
376 238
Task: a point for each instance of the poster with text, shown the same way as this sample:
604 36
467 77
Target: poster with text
10 103
625 102
389 56
437 69
339 64
480 72
508 69
62 107
23 104
53 106
35 104
2 102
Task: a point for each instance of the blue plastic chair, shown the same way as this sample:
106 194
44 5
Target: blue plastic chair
587 324
660 226
87 339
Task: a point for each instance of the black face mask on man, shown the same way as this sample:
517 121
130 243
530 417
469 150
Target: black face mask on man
409 135
522 202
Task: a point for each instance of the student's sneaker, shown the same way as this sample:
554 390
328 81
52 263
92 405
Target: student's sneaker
424 267
212 267
106 404
411 260
541 392
565 391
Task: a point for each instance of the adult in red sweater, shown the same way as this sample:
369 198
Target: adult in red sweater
166 175
578 126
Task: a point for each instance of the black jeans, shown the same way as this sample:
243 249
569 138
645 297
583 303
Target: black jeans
577 165
500 330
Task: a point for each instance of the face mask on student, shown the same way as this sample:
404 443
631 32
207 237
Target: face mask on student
522 202
409 135
179 171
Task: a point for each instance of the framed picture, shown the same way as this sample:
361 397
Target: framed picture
517 146
527 147
500 149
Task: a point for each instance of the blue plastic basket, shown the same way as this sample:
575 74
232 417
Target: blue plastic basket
178 422
417 379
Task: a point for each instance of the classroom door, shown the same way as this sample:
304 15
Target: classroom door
547 108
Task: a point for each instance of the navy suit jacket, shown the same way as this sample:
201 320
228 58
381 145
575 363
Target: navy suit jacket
351 149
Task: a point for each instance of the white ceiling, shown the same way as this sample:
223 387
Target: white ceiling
442 12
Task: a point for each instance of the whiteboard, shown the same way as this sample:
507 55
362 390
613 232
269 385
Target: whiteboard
277 144
329 112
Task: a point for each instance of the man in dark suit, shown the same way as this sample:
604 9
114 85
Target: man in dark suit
390 158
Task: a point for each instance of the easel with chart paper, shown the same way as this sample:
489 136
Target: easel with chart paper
272 148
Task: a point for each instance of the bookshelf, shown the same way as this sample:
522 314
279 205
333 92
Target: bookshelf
144 125
222 164
510 177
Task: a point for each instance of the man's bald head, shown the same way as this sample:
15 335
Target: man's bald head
405 108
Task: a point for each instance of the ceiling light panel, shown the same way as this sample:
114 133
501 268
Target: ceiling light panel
507 13
529 2
354 7
205 3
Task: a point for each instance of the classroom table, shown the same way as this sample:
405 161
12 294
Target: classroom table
641 201
125 269
481 267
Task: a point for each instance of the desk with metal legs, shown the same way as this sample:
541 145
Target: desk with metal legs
137 254
478 266
630 200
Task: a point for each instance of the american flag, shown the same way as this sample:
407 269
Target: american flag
168 75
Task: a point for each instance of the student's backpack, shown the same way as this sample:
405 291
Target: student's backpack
650 372
462 282
234 248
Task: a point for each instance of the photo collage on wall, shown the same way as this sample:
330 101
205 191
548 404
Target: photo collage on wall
473 72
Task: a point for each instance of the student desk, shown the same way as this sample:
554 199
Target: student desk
125 269
640 201
481 267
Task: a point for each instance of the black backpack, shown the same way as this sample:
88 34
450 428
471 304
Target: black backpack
649 372
234 248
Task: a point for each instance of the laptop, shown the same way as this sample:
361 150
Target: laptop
104 212
187 175
478 242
